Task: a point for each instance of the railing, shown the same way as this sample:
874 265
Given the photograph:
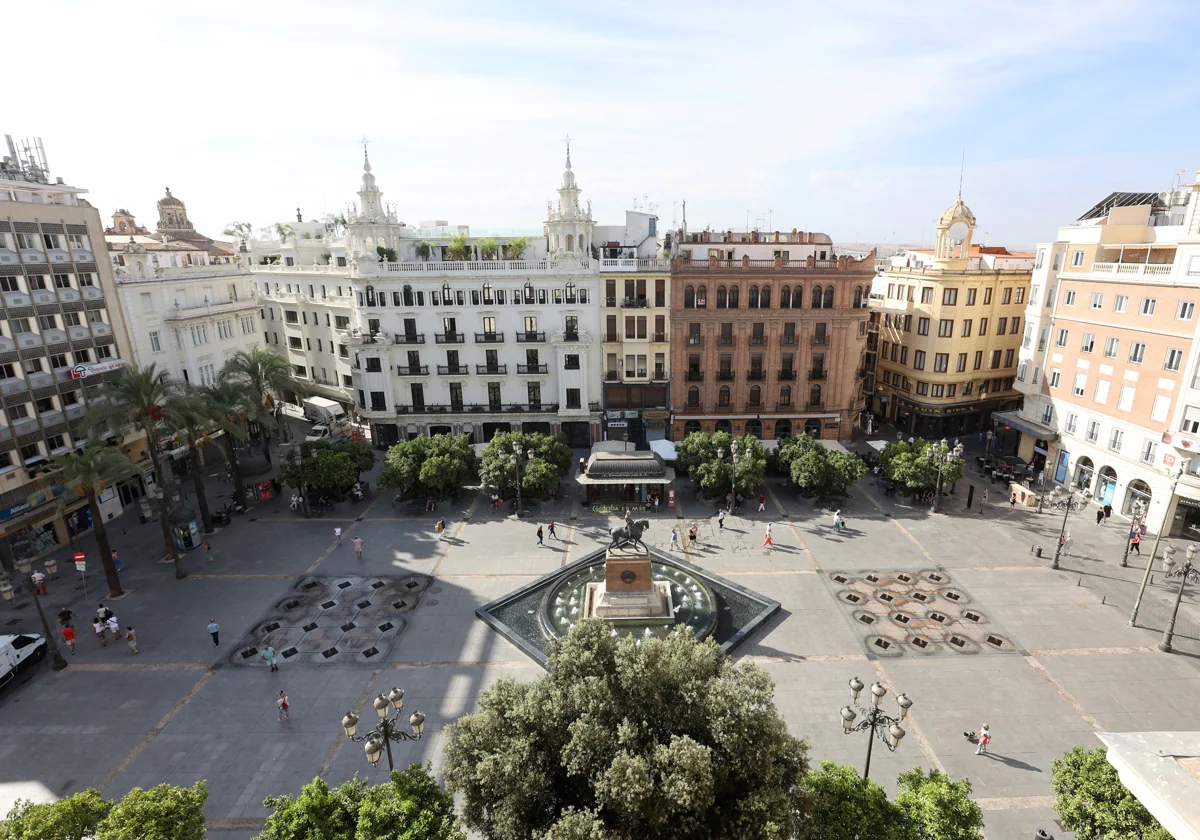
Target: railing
570 335
476 266
610 301
817 374
570 365
489 337
445 370
533 368
1129 268
612 376
777 265
658 336
756 376
758 340
312 268
695 340
820 340
475 408
783 405
819 405
412 370
660 375
723 406
724 376
410 338
754 406
491 369
727 340
635 303
449 338
530 337
691 409
634 265
787 375
694 376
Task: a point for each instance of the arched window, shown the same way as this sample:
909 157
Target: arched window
828 298
798 297
858 297
764 300
370 295
733 297
752 300
488 300
814 395
722 297
689 297
570 242
723 395
785 395
702 297
755 395
693 396
785 297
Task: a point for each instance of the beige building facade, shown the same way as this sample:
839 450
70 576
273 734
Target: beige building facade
635 319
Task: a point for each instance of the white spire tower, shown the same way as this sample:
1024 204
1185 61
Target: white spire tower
569 226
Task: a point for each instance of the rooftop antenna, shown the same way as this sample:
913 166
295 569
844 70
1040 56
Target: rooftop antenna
771 219
962 165
364 141
685 215
674 214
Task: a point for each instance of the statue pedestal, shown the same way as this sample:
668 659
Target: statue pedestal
627 592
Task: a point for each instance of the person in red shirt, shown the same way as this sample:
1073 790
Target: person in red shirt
68 634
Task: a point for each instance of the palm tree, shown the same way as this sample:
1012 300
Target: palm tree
488 249
88 472
335 223
266 375
241 231
135 398
514 249
187 417
285 232
424 249
227 408
459 247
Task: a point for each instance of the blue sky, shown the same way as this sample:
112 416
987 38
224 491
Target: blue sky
847 118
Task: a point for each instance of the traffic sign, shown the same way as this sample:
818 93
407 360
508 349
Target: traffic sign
81 565
79 557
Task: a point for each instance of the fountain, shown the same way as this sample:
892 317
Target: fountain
638 590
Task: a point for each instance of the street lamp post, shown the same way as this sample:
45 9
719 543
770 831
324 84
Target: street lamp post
733 460
1062 532
520 459
380 738
1187 572
23 568
885 727
1137 605
944 454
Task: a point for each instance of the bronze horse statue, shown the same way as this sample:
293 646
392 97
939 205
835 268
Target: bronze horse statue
629 534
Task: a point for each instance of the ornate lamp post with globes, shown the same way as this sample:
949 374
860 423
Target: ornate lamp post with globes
23 571
380 738
883 726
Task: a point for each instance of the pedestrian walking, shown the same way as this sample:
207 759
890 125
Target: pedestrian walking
68 635
984 502
357 547
655 499
1012 503
767 543
102 611
98 629
282 703
539 535
114 627
440 528
721 518
116 561
337 534
65 615
762 502
1100 516
984 738
208 551
268 654
214 630
495 501
674 539
39 583
1107 511
131 637
551 532
1135 544
692 536
837 520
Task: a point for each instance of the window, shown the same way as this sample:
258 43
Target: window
962 362
1021 294
104 352
1008 357
1093 431
983 326
1037 375
1015 327
908 323
970 297
1022 369
903 355
48 322
225 329
919 360
378 401
200 334
1097 300
1072 419
295 343
938 391
941 362
1125 402
1115 440
1055 373
1041 255
1174 359
1147 454
987 296
923 389
1061 340
1162 406
1001 326
927 294
1110 347
1006 295
291 317
946 328
1047 414
1137 352
1121 304
1148 306
300 370
995 360
949 297
1069 297
1076 259
1080 384
341 322
1089 341
966 328
978 359
573 398
1186 308
922 326
155 342
373 365
1102 391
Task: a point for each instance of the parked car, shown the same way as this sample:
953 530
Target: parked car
16 651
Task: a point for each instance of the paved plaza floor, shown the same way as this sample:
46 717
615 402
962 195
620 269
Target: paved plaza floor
185 709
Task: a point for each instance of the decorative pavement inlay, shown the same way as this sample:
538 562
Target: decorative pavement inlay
340 620
922 612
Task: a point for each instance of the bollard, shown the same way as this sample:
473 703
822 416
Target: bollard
1039 551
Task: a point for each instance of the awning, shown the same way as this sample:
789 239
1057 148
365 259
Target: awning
1014 419
666 478
665 449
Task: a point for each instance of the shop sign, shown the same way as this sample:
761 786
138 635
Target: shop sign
1168 460
1186 502
623 414
659 414
32 501
84 371
620 507
671 498
832 425
618 424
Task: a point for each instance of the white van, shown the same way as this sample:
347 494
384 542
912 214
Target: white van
16 651
322 410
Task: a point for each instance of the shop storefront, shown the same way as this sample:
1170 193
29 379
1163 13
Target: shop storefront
619 479
1186 522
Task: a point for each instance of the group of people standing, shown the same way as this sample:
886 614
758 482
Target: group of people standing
103 624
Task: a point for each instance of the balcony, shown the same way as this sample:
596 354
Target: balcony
756 376
694 376
1153 269
695 340
758 340
611 337
476 408
754 407
610 301
44 297
787 375
660 375
817 374
449 338
446 370
820 340
634 265
658 336
570 335
788 340
727 340
51 418
489 337
412 370
16 385
74 412
41 379
68 295
494 370
54 336
533 368
530 337
409 338
612 376
79 332
15 300
723 407
180 312
635 303
100 329
818 405
25 426
783 406
486 267
92 293
724 376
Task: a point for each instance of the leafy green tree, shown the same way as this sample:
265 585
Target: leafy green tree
188 417
915 467
88 471
329 470
459 247
409 806
361 453
937 808
135 397
227 401
440 473
241 231
424 249
515 248
386 254
164 812
817 470
543 470
665 738
73 818
841 805
706 457
403 465
1092 802
335 223
267 375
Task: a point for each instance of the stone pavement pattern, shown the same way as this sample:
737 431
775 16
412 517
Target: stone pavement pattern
183 709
